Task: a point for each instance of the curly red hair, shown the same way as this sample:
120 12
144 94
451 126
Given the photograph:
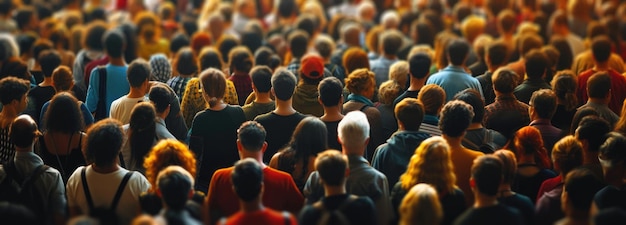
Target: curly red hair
166 153
528 141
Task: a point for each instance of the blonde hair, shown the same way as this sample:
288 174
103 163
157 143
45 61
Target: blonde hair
421 206
360 81
431 164
388 92
472 27
567 154
399 72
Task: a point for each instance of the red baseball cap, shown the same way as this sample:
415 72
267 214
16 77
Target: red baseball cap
312 66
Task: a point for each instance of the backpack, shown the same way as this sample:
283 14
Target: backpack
334 217
101 108
106 215
487 146
22 190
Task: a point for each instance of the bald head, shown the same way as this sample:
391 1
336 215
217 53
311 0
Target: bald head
23 132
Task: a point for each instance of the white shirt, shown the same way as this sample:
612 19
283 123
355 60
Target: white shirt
123 106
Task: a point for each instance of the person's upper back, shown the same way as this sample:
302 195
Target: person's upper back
305 100
356 210
265 216
497 215
279 130
454 79
393 157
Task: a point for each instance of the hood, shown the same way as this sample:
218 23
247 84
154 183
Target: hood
306 93
404 143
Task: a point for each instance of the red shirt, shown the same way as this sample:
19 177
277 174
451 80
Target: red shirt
243 86
262 217
549 185
280 193
618 89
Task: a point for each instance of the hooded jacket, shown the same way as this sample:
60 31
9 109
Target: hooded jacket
392 158
305 100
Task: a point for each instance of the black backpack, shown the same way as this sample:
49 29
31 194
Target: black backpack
334 217
21 190
103 214
101 108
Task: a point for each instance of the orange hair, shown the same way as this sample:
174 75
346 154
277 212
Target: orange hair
166 153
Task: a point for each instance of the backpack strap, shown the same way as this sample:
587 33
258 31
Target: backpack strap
102 91
118 193
488 138
83 179
326 213
362 109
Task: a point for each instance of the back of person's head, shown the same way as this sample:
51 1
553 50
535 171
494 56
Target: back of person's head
544 103
391 42
529 42
309 138
213 85
261 78
311 69
398 72
160 97
262 56
419 65
240 59
599 85
496 53
480 45
63 114
353 130
504 80
601 49
283 84
92 36
179 40
175 185
104 141
409 112
324 45
25 42
472 27
566 56
507 21
62 79
536 63
360 81
473 98
331 166
210 58
610 216
592 129
579 189
388 92
298 43
247 177
13 88
612 150
509 165
23 16
251 136
457 51
23 131
39 46
199 40
455 118
185 62
486 174
225 44
286 8
330 91
564 85
168 152
138 73
355 58
432 97
114 43
16 214
567 154
307 23
421 206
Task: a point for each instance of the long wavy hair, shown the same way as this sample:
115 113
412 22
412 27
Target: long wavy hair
431 164
141 131
621 124
528 141
168 152
308 139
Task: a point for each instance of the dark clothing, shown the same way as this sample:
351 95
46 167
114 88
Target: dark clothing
525 90
603 111
279 130
254 109
305 100
243 86
360 211
548 209
506 115
36 98
611 196
478 68
453 204
65 164
487 85
406 94
549 133
529 186
213 138
388 120
476 138
491 215
333 141
562 118
393 157
523 204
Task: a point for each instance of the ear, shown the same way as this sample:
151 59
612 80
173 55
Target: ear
472 183
239 146
320 101
264 147
272 91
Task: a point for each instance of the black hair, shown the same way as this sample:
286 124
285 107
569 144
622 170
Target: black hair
114 43
487 174
64 115
581 186
309 138
160 97
298 43
613 147
599 85
274 62
174 187
240 59
262 56
190 27
497 53
92 38
97 13
141 131
410 112
536 63
180 40
544 102
455 118
247 177
12 88
504 80
251 134
307 23
330 91
49 60
104 141
592 129
130 50
286 8
186 62
210 58
457 51
284 84
39 46
23 16
138 72
473 98
262 78
5 7
25 42
391 42
601 48
252 40
225 44
419 65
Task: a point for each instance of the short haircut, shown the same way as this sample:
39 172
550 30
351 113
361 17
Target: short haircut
581 186
331 166
63 114
497 53
504 80
286 8
49 61
23 131
419 65
457 51
247 177
114 43
284 84
529 42
324 45
507 20
592 129
354 59
240 59
455 118
175 184
262 56
536 63
567 154
432 97
138 72
185 62
251 135
601 49
391 42
306 23
330 91
62 79
473 98
262 78
12 88
92 38
388 92
409 112
24 15
544 102
298 43
39 46
179 41
104 141
487 174
160 97
599 85
210 58
612 150
353 129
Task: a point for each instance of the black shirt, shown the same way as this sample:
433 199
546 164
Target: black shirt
521 203
492 215
406 94
279 130
38 96
333 141
360 211
611 196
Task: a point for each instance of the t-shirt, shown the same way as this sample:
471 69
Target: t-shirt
610 196
116 87
331 128
406 94
523 204
123 106
103 188
36 98
360 211
254 109
279 130
280 193
462 159
266 216
491 215
529 185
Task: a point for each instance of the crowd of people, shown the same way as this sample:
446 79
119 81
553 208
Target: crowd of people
403 112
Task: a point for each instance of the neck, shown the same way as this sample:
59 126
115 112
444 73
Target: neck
47 81
603 101
8 112
498 94
261 97
334 190
117 61
492 68
390 56
574 216
239 73
105 169
416 84
358 151
257 155
526 159
481 200
454 142
136 92
603 66
284 108
474 126
505 190
252 206
27 149
332 113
